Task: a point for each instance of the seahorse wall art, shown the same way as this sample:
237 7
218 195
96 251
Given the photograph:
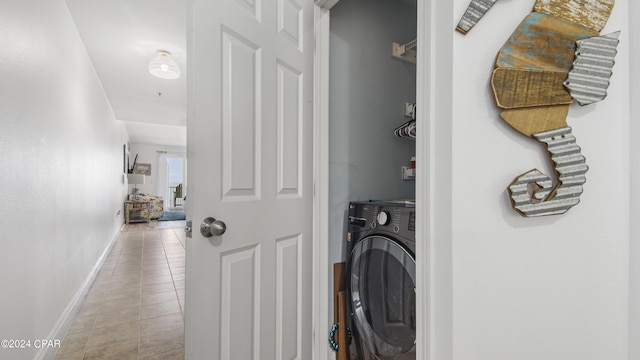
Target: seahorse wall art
554 56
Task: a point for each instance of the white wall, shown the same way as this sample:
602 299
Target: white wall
156 156
61 171
634 161
555 287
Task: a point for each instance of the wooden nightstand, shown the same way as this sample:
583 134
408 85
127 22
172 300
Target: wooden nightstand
136 211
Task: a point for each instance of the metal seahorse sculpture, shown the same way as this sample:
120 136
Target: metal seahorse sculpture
554 56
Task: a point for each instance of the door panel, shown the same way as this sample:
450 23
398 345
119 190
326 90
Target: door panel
289 135
240 308
289 298
252 7
241 118
290 21
249 145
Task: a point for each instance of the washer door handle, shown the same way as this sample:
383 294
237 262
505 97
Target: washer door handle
358 221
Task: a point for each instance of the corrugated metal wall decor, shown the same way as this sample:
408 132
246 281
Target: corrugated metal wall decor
571 169
472 15
538 73
589 79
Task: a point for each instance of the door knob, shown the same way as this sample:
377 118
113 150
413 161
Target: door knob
211 227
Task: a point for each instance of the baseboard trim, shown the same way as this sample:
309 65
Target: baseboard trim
65 320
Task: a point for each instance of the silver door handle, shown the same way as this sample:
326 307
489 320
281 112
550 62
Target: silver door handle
211 227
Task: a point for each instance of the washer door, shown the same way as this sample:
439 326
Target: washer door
383 295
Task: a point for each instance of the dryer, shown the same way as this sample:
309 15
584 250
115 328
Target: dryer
380 280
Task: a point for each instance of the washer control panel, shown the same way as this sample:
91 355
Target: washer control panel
395 217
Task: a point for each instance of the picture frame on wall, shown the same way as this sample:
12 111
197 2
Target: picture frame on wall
144 169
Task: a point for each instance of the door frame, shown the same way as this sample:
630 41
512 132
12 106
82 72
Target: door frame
321 271
433 178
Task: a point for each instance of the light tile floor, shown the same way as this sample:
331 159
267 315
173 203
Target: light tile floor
135 308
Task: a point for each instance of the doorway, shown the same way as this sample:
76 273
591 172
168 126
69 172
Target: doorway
368 88
172 179
175 182
433 86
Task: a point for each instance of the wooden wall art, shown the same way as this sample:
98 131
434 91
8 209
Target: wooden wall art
554 56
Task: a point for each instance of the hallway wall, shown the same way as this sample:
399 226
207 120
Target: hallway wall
61 177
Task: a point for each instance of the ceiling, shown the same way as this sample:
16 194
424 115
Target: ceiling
121 36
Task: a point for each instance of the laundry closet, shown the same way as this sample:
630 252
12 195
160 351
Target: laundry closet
368 89
372 96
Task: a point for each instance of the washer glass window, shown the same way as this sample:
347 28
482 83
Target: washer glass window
383 295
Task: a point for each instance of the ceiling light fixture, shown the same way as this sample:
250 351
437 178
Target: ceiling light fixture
163 66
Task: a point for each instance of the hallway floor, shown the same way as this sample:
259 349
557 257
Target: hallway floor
135 308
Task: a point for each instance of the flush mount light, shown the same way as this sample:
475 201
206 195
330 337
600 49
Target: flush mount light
163 66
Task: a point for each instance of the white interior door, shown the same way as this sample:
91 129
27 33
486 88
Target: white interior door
249 146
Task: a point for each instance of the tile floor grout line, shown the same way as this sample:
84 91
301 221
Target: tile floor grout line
130 241
141 286
173 280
